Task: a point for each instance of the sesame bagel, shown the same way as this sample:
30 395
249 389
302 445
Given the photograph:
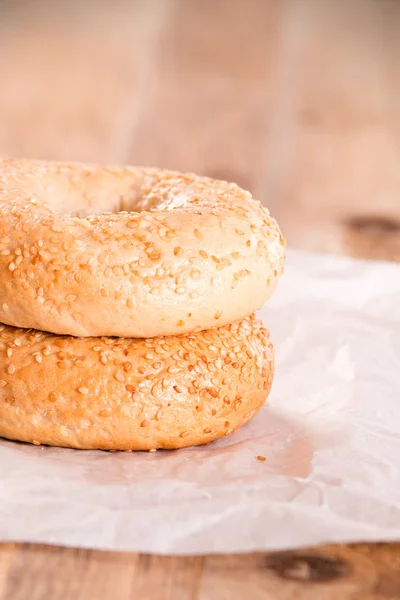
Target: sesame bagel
136 252
127 394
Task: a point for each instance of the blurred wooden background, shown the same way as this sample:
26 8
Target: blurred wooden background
296 100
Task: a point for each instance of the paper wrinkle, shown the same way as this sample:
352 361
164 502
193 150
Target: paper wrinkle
331 438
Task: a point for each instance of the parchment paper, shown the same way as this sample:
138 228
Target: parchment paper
331 439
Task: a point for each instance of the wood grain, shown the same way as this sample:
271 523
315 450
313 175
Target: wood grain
341 147
73 76
212 91
296 100
358 572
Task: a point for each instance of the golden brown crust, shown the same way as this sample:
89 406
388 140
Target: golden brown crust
127 394
200 252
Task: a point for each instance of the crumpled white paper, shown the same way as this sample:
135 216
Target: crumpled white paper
331 438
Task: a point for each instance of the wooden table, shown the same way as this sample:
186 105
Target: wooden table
297 100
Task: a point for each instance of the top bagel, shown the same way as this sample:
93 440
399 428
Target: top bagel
130 251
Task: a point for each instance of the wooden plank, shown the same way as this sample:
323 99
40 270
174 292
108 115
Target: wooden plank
335 180
329 573
73 76
211 92
358 572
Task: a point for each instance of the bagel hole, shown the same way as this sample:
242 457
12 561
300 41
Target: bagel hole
94 195
128 202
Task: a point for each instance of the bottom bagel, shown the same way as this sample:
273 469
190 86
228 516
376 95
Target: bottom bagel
132 394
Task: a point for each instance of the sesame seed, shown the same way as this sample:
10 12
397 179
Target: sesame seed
261 458
83 390
3 383
9 352
11 370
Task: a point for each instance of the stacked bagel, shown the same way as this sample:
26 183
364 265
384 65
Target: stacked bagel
127 298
